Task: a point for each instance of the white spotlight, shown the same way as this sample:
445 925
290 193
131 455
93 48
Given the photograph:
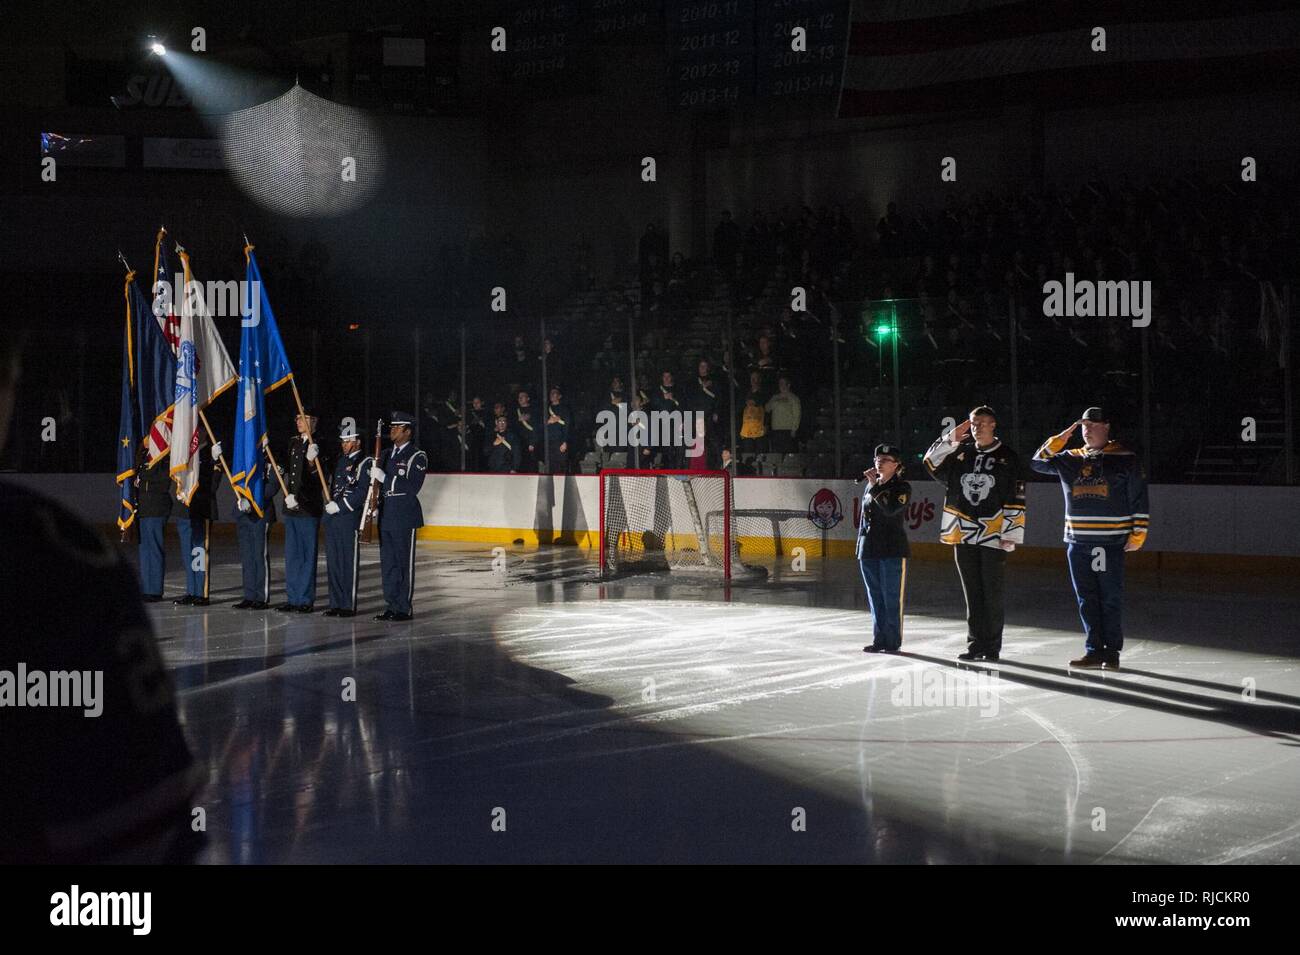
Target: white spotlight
157 48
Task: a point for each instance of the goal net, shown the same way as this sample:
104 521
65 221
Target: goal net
676 521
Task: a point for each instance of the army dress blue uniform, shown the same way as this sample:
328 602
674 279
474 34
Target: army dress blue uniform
349 486
882 551
194 525
1105 508
254 534
400 516
301 526
153 508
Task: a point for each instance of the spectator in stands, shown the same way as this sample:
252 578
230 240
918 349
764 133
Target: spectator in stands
786 413
554 360
526 428
558 429
502 449
735 467
753 430
614 396
890 232
521 365
430 434
475 434
665 400
676 294
449 444
705 399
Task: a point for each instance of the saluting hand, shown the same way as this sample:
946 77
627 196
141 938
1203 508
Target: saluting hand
1068 431
871 474
958 434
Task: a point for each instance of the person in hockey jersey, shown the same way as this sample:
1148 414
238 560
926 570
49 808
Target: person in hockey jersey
1105 516
883 548
983 520
254 535
400 472
348 488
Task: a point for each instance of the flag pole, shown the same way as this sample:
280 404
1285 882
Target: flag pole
266 446
319 470
224 466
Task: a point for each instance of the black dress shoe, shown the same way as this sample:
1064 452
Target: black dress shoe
305 608
1089 661
329 613
873 649
242 605
151 598
184 601
386 615
200 602
259 605
988 655
400 617
345 613
287 608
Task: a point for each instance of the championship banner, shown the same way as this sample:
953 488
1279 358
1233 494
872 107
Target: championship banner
203 371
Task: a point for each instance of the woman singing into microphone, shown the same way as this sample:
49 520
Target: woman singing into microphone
883 548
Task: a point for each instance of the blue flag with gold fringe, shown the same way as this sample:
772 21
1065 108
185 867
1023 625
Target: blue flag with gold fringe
263 367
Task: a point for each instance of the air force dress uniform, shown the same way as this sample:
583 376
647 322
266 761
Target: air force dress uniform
1105 507
402 469
348 489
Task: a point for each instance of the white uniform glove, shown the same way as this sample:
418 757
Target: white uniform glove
377 474
243 504
312 452
331 508
291 502
216 451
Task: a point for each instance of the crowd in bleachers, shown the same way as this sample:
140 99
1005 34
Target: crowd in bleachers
955 285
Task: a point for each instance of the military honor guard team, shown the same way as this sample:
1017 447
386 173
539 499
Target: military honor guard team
983 520
390 487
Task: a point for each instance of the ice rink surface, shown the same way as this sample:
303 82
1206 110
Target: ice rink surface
537 715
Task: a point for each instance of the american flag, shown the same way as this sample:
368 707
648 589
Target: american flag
164 298
927 56
159 439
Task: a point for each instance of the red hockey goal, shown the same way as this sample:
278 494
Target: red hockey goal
676 521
